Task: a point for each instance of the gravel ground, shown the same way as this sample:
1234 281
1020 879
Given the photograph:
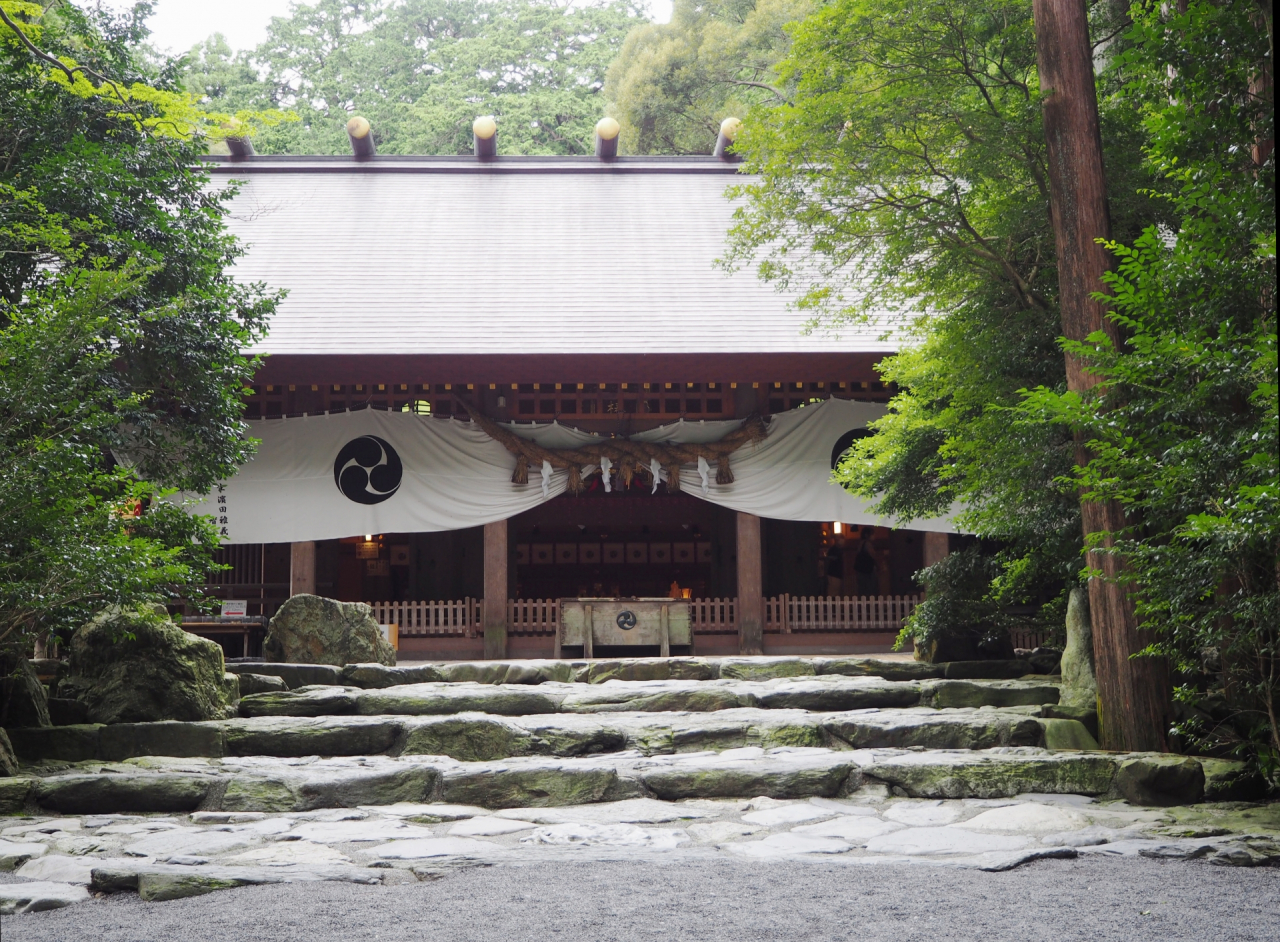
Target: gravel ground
1091 899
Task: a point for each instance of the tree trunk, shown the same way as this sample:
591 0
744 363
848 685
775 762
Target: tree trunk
1133 694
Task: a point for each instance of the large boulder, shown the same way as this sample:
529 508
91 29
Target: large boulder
137 666
1079 688
309 629
23 702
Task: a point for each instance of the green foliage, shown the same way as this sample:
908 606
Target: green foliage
907 182
1183 431
673 83
120 331
421 71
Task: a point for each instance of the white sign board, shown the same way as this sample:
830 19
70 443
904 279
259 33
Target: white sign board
235 607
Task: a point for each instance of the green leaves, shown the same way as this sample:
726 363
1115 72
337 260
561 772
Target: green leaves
120 338
421 71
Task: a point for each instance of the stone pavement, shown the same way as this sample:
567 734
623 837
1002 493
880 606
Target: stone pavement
395 775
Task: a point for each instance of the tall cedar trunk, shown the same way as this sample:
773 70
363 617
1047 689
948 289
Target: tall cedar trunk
1133 695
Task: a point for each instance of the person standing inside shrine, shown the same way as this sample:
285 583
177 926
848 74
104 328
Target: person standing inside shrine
864 568
835 569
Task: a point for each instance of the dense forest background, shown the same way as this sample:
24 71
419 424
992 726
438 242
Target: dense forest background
422 70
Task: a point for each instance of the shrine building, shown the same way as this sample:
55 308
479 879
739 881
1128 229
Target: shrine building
500 383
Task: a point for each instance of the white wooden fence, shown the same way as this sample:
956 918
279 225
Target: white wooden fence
456 618
787 614
784 614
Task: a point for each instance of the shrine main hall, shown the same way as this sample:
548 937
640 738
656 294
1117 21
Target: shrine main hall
499 389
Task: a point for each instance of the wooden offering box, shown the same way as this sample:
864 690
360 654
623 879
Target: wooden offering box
624 622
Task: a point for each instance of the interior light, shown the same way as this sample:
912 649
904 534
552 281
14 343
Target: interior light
368 537
837 527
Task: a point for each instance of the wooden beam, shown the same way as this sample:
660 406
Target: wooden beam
750 579
495 590
302 568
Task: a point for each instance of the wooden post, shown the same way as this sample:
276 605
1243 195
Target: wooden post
664 644
302 568
1133 694
750 589
495 590
936 548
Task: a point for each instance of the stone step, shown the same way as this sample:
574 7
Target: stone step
260 784
481 736
833 692
598 671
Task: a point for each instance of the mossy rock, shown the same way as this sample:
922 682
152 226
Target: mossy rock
471 737
312 736
985 776
1158 779
159 887
137 666
121 793
498 786
308 629
1067 734
749 779
765 668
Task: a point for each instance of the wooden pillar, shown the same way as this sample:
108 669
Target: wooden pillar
495 590
750 594
936 547
302 568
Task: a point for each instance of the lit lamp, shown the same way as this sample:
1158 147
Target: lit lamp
607 138
837 528
484 132
360 133
729 128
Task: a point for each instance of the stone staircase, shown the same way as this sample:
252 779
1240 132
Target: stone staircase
374 774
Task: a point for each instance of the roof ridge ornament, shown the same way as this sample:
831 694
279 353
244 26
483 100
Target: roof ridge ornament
607 130
729 128
360 133
484 137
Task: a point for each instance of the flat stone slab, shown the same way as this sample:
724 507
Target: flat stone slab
39 896
291 786
676 668
480 736
827 693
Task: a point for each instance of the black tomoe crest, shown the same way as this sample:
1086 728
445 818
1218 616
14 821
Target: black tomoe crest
845 442
367 470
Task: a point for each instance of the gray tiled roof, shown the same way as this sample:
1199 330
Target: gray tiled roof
447 256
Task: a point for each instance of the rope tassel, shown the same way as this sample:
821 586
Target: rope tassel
724 475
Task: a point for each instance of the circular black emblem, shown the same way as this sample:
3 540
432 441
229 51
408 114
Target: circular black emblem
845 442
626 620
367 470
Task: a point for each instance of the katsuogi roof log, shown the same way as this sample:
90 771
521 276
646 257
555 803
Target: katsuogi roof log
629 457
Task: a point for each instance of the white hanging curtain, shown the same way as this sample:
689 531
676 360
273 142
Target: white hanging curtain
326 477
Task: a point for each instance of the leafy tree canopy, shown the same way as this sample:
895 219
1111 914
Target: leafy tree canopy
906 179
673 83
120 328
421 71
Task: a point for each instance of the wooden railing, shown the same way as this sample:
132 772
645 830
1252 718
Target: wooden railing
533 617
785 614
714 616
458 618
